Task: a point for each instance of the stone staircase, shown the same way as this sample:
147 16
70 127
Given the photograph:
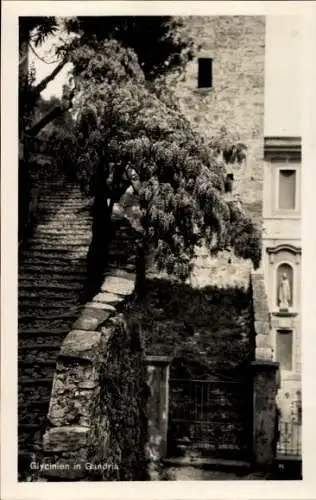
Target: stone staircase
52 274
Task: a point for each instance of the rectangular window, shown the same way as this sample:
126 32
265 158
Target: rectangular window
287 189
205 72
284 349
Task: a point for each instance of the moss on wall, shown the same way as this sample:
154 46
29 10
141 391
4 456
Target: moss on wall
210 327
120 428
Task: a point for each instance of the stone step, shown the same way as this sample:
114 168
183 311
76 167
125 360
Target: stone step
63 252
36 362
64 265
41 315
42 402
40 341
45 332
69 189
67 244
64 231
60 225
54 252
31 381
38 393
36 272
56 215
39 285
53 312
55 234
64 271
42 324
47 255
38 346
40 244
66 195
46 283
58 206
65 191
40 305
38 375
32 347
46 252
38 356
59 214
64 227
36 413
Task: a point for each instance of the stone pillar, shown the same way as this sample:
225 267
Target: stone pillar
157 406
265 386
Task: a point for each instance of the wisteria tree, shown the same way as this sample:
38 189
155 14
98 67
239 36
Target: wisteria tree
132 135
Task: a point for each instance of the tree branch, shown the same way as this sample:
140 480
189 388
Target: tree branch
50 116
23 60
38 126
43 84
41 58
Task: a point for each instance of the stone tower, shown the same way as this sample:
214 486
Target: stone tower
224 87
234 49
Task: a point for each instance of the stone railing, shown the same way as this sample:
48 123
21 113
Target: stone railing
77 428
261 318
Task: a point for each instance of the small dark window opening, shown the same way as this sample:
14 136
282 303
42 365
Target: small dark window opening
229 183
205 74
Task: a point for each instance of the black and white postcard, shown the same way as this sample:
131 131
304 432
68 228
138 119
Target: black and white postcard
153 306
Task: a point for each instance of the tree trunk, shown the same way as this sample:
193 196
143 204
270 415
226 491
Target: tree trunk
140 283
97 257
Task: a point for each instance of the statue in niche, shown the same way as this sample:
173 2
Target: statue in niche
284 292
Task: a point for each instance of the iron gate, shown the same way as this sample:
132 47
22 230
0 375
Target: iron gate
211 416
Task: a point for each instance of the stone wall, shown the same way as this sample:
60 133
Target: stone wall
97 422
266 379
236 100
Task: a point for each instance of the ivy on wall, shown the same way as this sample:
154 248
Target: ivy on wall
211 328
122 415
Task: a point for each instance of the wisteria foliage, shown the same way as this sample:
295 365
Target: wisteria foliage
133 136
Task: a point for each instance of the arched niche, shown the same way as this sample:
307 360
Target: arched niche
285 285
